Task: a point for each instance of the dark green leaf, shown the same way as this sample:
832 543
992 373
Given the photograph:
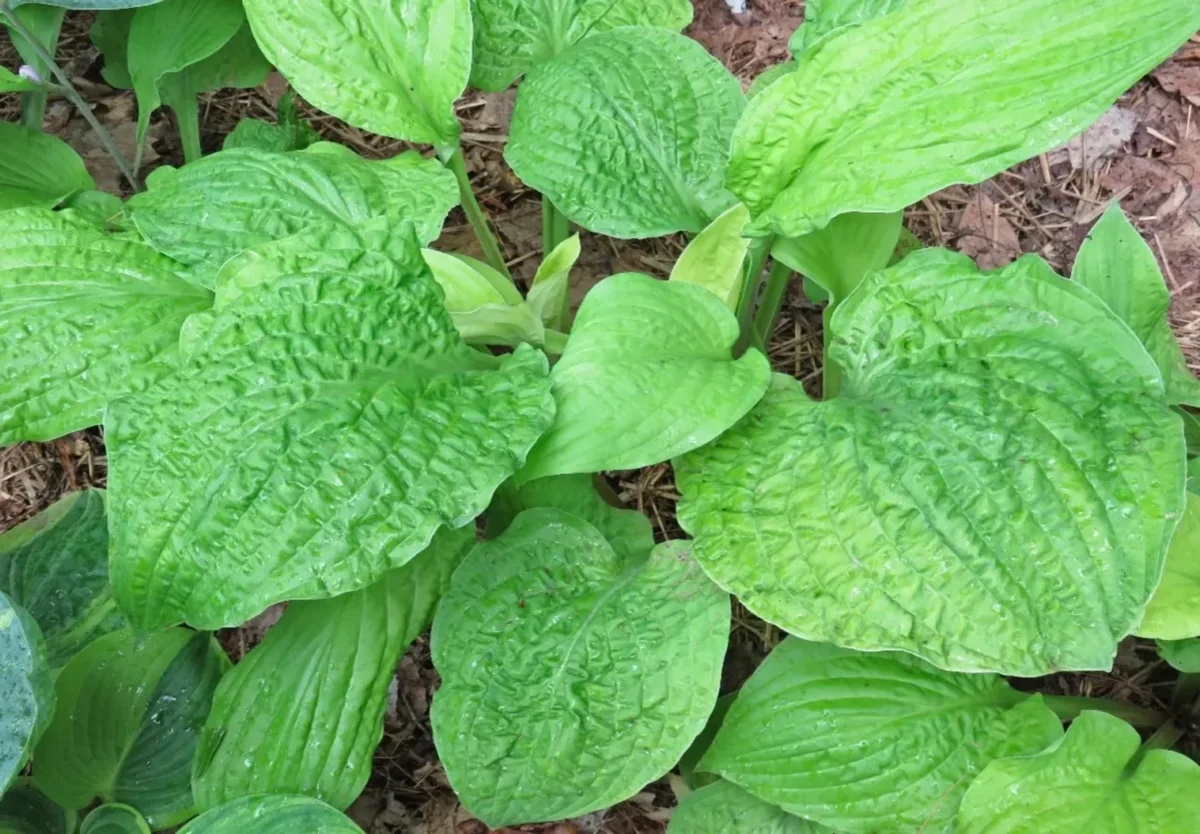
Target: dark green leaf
37 170
114 818
26 810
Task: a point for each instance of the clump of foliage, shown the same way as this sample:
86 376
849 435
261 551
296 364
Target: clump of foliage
302 402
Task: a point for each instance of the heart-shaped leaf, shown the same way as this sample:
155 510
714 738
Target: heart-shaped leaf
628 133
272 815
37 170
388 67
724 808
130 709
84 318
647 374
331 660
994 490
571 675
1092 780
327 421
512 36
55 566
879 743
26 689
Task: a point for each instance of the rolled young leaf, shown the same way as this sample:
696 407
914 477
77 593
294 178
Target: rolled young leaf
37 170
962 499
327 421
330 661
882 114
26 810
212 209
647 374
485 311
26 689
393 67
130 711
1116 264
840 255
84 318
571 675
724 808
878 743
512 36
1173 613
550 293
628 133
114 818
55 566
1091 780
272 815
714 257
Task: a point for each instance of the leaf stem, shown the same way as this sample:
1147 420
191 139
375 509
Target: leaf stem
33 109
555 342
187 119
831 374
555 227
768 311
68 90
1069 707
756 258
452 158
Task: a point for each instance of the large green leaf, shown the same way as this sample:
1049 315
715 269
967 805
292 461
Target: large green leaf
511 36
628 133
627 531
26 689
26 810
647 374
572 675
84 318
1092 780
170 36
724 808
391 67
114 818
37 169
1117 265
1182 655
272 815
1174 611
55 566
840 255
824 17
938 92
130 709
872 743
993 491
209 211
327 420
331 661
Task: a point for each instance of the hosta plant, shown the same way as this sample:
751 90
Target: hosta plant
306 399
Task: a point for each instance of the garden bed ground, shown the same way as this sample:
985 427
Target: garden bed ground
1145 152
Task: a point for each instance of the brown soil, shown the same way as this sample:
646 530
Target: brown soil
1146 152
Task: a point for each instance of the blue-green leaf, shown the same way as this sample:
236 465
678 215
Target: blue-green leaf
26 689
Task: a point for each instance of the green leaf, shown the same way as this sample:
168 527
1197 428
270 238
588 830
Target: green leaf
130 709
724 808
332 661
627 531
935 93
84 318
549 295
628 133
1173 613
1183 655
513 36
840 255
290 134
272 815
688 761
110 33
10 82
26 810
1092 780
55 566
647 375
994 489
44 22
326 422
571 675
824 17
26 689
98 208
170 36
212 209
114 818
713 259
769 76
87 5
37 170
1117 265
880 742
393 68
484 311
238 64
